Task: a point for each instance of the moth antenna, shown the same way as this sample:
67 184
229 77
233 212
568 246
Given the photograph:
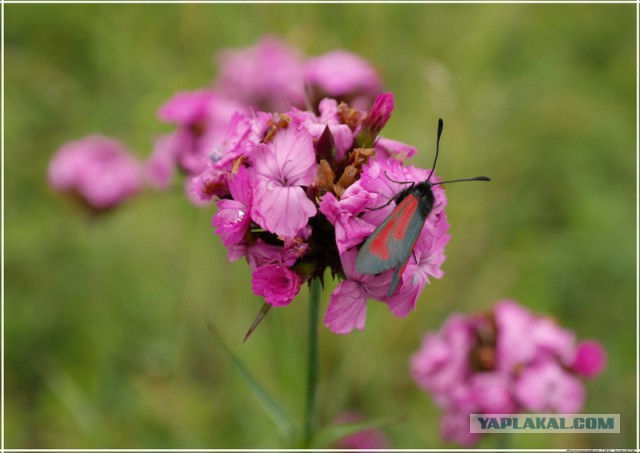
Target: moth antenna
435 160
476 178
397 182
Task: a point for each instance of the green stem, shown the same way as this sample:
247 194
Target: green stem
312 363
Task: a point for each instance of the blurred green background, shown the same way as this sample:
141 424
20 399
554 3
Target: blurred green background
106 344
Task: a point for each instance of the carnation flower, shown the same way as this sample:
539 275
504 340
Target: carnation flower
508 360
301 185
99 171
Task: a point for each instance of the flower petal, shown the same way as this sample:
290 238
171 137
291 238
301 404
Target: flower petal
281 210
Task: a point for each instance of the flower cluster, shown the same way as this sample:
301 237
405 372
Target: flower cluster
294 194
505 361
98 171
269 76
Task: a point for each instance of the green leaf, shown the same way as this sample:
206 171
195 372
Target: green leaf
331 434
270 406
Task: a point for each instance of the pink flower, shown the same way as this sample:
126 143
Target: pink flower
492 392
186 107
512 347
442 361
283 168
98 169
347 308
505 361
351 229
387 148
276 283
210 183
232 220
546 387
202 117
376 118
341 75
267 75
590 359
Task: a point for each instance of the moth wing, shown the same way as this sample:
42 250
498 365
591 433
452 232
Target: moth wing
391 244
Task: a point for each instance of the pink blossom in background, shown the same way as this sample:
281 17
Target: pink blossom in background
343 75
509 360
267 75
99 170
371 439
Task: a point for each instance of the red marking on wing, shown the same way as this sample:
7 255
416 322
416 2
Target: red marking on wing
398 222
379 243
408 206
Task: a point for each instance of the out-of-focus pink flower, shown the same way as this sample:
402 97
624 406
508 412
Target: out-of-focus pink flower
387 148
546 387
343 75
454 428
590 359
267 76
506 361
276 283
371 439
186 108
443 360
283 167
98 169
210 183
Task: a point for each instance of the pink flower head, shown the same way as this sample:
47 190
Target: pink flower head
505 361
283 168
295 192
98 169
590 359
268 75
276 283
343 75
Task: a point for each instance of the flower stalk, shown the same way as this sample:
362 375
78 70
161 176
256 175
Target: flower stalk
315 293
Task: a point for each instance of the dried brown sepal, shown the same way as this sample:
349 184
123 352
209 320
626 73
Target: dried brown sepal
350 116
361 156
279 121
324 177
349 176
